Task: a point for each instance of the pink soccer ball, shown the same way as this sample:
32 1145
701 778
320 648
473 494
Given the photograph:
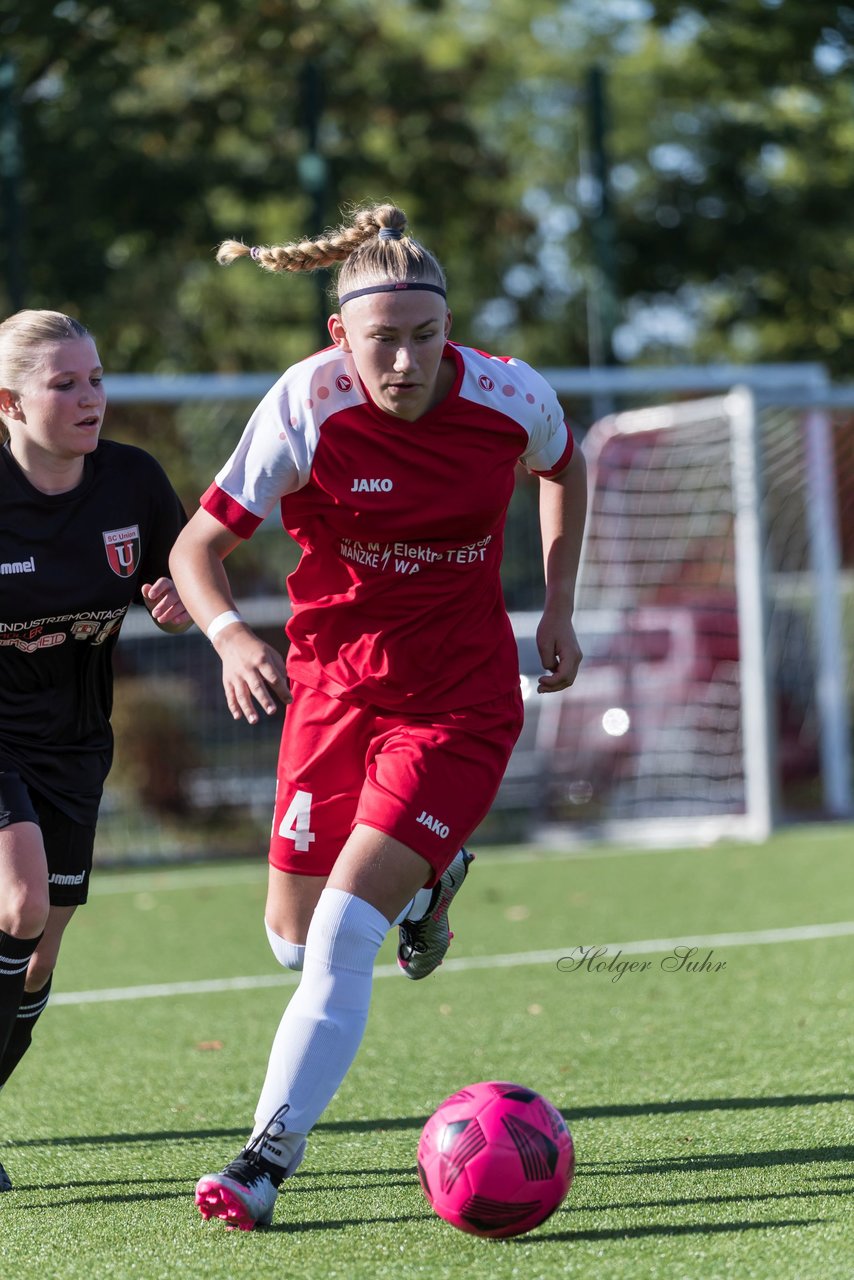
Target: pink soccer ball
495 1159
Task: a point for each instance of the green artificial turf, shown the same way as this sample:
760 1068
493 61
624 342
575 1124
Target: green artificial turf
711 1110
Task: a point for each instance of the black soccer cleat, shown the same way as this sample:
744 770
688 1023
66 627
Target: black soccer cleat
5 1180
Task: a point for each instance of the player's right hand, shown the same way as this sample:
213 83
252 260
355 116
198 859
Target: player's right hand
252 672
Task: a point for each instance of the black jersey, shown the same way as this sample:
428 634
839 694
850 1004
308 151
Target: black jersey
70 566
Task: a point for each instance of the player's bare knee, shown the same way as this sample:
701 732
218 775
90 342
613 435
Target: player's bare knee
24 911
290 955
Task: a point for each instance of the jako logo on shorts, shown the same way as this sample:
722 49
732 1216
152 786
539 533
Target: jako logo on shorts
433 824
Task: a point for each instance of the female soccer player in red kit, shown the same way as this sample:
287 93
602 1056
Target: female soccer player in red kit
391 455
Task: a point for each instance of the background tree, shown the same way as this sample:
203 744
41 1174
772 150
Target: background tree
736 183
149 131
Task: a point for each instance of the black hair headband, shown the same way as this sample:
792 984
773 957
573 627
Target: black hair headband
391 288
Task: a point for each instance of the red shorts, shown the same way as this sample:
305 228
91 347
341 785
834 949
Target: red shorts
426 780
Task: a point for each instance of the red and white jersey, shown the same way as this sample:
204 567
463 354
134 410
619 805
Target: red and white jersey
397 596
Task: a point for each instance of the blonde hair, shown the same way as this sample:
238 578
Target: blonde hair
20 337
366 258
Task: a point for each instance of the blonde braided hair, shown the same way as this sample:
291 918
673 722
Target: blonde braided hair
366 258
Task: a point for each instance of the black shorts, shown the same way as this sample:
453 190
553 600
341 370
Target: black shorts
68 845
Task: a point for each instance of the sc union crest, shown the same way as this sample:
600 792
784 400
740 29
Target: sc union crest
122 548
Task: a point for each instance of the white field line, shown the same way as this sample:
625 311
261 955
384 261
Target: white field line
758 938
158 878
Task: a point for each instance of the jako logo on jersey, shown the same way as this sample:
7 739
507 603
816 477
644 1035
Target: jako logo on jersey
360 485
344 382
433 824
122 547
486 384
18 566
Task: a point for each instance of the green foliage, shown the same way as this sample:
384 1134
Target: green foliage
738 176
157 139
151 131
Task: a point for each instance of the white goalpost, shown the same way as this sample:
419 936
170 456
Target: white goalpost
709 611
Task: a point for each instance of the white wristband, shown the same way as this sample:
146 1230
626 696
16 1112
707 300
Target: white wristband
222 620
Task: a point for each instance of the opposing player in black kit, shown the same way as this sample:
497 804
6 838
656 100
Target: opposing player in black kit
85 529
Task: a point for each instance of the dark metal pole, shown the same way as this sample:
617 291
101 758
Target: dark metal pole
312 171
11 167
602 228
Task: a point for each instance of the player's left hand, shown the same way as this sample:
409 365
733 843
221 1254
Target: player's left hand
165 605
560 654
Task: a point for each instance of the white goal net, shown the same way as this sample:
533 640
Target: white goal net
709 629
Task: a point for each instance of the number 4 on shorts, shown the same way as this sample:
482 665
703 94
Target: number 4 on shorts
296 824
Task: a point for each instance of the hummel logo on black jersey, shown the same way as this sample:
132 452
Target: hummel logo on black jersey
18 566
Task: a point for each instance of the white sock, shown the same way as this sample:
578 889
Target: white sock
322 1027
420 904
417 908
289 954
